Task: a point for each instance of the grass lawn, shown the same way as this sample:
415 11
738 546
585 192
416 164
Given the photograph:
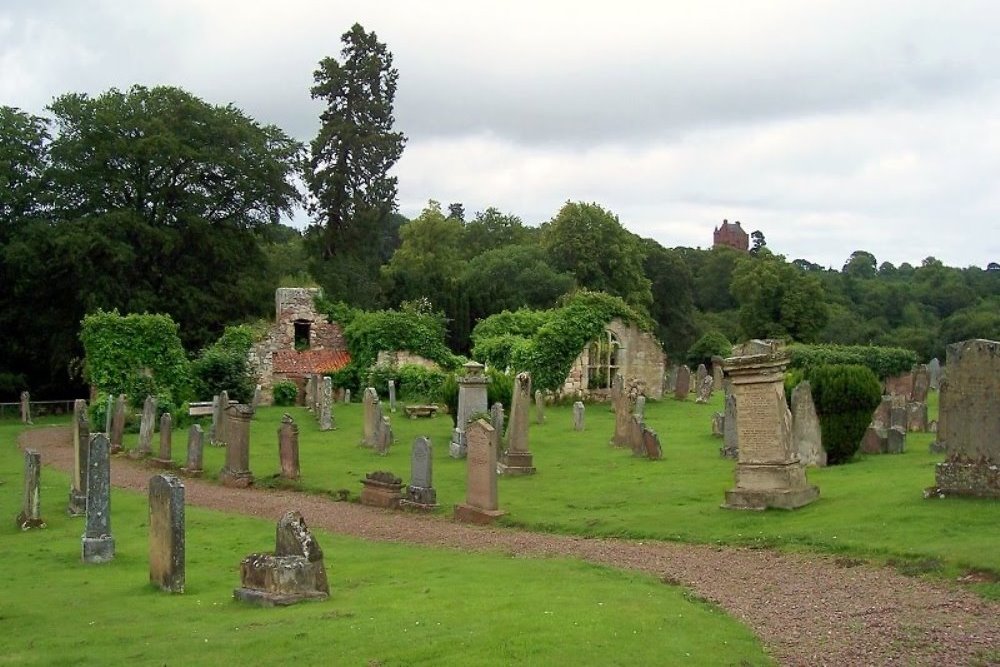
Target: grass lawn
390 604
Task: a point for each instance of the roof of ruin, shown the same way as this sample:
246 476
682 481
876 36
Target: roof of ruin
294 362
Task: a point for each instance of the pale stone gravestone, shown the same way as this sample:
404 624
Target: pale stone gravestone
383 437
347 396
236 473
969 422
624 406
255 401
718 424
916 417
731 437
700 376
97 544
81 443
539 407
146 427
193 463
221 434
897 413
420 493
471 400
166 533
109 414
640 407
768 470
372 416
672 379
939 446
497 418
651 444
717 374
481 504
921 385
213 428
288 447
293 573
579 416
25 408
895 440
934 373
806 432
392 395
457 448
683 385
326 404
317 393
30 515
164 458
517 458
705 389
310 392
118 424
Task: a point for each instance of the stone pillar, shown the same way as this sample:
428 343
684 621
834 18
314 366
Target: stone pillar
163 458
25 408
288 447
221 435
730 434
146 427
539 407
481 504
109 414
372 416
517 458
579 413
392 395
768 470
81 442
623 405
97 544
471 393
193 464
683 385
420 494
166 533
236 472
806 433
326 405
497 422
30 515
118 424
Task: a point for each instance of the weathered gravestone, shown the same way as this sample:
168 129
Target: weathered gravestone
77 505
193 463
372 416
539 407
236 473
682 387
921 385
25 408
30 515
383 437
420 494
699 377
213 428
635 436
623 405
381 489
671 380
166 533
882 414
392 395
255 401
163 458
731 437
705 389
221 437
970 419
97 544
768 470
933 373
875 439
640 407
288 447
347 396
938 445
497 418
895 440
579 415
481 505
146 427
310 392
517 458
651 444
717 374
806 432
900 385
109 414
471 400
718 424
326 404
293 573
916 417
118 424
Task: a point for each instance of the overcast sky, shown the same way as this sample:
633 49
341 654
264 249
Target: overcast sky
829 126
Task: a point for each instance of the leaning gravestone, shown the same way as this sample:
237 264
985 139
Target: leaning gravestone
326 404
383 437
970 421
731 438
166 533
517 458
420 493
193 464
236 473
146 427
118 424
481 505
806 432
579 414
30 515
651 444
293 573
97 544
81 442
288 447
683 385
768 470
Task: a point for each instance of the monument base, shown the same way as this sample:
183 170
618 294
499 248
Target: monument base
116 449
475 515
137 454
457 450
763 485
77 505
515 463
236 479
420 498
25 522
744 499
375 494
191 472
267 599
97 549
165 464
978 480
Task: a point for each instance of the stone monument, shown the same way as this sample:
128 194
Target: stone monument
806 432
146 428
193 463
288 447
166 533
81 443
579 416
97 544
164 456
30 515
683 385
471 400
117 425
326 404
236 473
481 505
420 494
539 407
517 458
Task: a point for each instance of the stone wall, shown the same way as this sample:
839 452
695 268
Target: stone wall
641 361
399 358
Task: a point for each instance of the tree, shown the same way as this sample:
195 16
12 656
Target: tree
456 210
673 305
24 140
350 158
512 277
777 300
591 243
861 264
491 229
758 241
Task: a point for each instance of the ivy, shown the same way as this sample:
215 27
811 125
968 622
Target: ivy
420 333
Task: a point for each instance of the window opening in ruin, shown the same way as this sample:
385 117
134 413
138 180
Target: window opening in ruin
302 334
602 361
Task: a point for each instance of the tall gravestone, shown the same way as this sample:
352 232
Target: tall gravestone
109 414
255 401
236 472
146 427
671 380
730 435
497 418
718 424
164 456
623 406
933 373
705 389
471 400
640 407
579 415
683 385
326 404
806 432
288 447
372 416
310 391
717 374
517 458
30 515
81 442
420 493
700 376
481 504
768 470
347 395
392 395
195 443
221 437
118 424
969 424
166 533
25 407
921 385
383 436
539 407
97 544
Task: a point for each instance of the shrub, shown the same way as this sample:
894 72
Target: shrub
499 388
711 344
497 351
845 397
419 383
448 395
346 378
421 333
285 392
97 412
792 379
883 361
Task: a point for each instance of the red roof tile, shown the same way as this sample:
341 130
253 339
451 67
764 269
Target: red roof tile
293 362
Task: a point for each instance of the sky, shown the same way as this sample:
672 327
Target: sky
830 126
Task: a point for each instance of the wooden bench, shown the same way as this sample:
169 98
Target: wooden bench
414 411
200 409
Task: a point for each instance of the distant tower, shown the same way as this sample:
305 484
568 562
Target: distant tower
732 235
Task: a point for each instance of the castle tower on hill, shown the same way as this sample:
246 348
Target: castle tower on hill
732 235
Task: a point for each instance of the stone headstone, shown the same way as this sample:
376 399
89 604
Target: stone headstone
347 396
213 429
900 385
372 416
635 440
768 470
392 395
166 533
457 448
255 401
579 415
671 379
705 389
921 385
916 417
25 408
883 412
146 426
288 447
497 418
81 442
683 385
164 459
118 424
969 421
193 462
806 432
97 544
383 437
717 374
875 440
539 407
310 392
30 515
934 373
700 376
731 438
420 492
293 573
236 472
640 407
895 440
471 393
481 504
109 414
718 424
326 404
517 458
897 413
651 444
939 446
624 408
221 435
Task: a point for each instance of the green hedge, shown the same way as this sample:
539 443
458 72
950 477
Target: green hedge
883 361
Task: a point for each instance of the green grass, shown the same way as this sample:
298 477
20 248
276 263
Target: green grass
390 604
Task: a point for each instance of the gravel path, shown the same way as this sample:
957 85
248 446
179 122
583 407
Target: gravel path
808 610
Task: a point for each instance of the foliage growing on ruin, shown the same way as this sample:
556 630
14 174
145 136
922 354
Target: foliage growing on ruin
388 330
284 392
224 366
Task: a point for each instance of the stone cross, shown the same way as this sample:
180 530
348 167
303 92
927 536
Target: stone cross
392 395
81 442
166 441
481 503
30 516
193 465
166 533
539 407
25 408
146 427
326 404
421 490
288 447
683 385
118 424
806 433
579 411
97 544
109 414
517 458
497 422
236 472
